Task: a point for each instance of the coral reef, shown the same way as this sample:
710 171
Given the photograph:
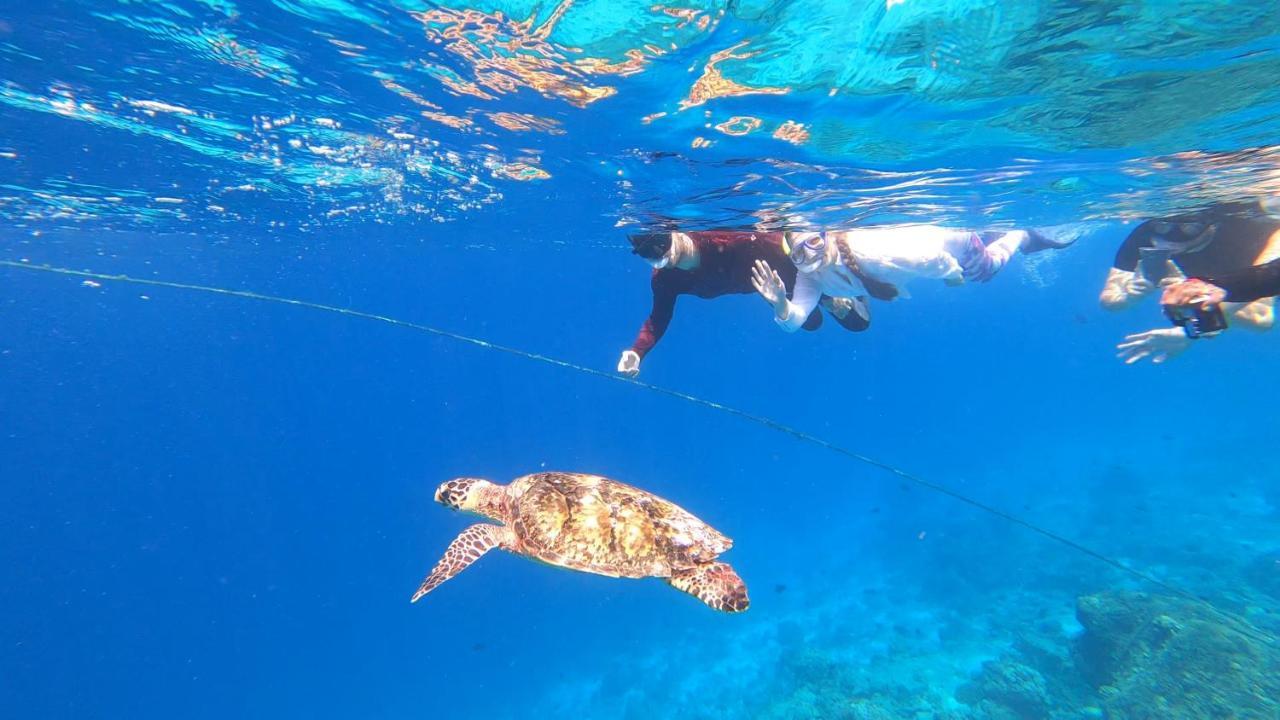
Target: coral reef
1158 658
938 627
1007 690
814 684
1132 656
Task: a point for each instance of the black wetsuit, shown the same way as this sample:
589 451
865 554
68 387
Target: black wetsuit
1236 245
1249 284
727 258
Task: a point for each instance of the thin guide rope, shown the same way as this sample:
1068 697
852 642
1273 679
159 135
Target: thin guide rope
728 409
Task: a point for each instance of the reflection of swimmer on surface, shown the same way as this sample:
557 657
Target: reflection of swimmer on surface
1164 251
711 264
877 261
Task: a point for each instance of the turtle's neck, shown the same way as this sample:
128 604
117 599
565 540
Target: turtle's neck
492 502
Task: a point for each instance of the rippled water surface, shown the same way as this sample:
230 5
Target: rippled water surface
312 113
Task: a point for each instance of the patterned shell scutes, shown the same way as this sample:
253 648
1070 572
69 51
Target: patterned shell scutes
592 523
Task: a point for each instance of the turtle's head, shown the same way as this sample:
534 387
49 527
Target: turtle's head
471 495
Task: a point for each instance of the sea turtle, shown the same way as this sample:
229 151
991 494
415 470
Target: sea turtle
593 524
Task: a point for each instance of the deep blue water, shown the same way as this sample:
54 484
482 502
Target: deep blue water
218 507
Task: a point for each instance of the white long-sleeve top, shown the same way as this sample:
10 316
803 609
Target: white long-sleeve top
893 255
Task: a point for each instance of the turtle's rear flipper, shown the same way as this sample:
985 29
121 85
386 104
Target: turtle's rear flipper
715 584
465 549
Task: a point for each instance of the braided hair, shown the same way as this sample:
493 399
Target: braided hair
878 289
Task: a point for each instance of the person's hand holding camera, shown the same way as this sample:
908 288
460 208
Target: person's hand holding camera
1192 294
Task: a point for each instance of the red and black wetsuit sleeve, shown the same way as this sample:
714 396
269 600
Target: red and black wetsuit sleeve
666 286
1250 284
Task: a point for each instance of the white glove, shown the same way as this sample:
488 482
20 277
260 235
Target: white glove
629 363
769 284
1159 345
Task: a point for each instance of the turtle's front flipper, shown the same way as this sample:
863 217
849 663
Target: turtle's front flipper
715 584
464 550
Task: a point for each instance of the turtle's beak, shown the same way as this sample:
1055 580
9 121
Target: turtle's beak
446 494
453 493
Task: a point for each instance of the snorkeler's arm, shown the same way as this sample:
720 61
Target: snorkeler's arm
1124 285
664 306
804 298
1122 288
1258 315
1258 310
1257 282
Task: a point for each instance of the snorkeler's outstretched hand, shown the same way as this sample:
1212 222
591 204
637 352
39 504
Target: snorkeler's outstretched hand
629 363
1159 345
769 284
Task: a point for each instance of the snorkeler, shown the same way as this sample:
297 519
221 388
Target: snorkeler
1217 242
877 261
711 264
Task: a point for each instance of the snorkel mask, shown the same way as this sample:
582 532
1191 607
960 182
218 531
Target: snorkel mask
653 248
1187 236
808 251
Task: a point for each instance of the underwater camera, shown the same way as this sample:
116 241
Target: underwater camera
1198 322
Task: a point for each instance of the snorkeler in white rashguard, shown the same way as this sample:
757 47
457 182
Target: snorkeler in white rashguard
877 261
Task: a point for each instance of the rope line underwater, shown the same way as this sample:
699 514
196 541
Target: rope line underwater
694 399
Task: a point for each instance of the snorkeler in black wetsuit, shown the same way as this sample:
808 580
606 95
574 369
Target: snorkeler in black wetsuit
712 264
1200 244
1218 242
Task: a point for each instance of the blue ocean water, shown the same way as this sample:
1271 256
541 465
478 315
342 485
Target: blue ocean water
217 506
